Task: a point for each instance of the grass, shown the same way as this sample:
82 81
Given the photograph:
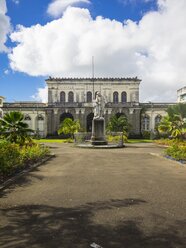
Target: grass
133 141
53 140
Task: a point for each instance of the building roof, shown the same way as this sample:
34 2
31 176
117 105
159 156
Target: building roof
182 89
94 79
26 104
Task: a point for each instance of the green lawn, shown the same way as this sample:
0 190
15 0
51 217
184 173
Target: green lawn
53 140
132 141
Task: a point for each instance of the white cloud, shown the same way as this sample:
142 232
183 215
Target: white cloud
4 25
57 7
126 2
41 95
153 49
16 1
6 72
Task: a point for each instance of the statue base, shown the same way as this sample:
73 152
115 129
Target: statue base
98 132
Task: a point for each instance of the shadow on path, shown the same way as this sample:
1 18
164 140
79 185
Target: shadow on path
46 226
24 180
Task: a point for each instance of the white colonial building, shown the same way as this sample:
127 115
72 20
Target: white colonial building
181 95
34 114
72 98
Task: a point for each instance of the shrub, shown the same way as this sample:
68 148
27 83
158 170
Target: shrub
116 138
33 153
9 157
14 156
170 142
113 139
177 152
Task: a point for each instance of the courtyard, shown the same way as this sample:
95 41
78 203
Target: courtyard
124 198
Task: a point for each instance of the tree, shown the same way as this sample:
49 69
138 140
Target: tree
120 124
14 129
174 123
69 126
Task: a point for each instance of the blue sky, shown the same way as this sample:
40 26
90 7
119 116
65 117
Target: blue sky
20 78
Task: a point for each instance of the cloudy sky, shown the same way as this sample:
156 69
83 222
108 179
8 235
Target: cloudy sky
128 38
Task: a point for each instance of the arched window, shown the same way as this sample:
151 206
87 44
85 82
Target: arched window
89 96
27 118
40 124
66 115
62 96
71 97
115 97
89 121
95 94
157 120
123 97
145 123
120 114
40 118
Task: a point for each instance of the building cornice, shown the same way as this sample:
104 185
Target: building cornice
24 105
94 79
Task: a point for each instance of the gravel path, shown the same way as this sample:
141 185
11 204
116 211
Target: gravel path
124 198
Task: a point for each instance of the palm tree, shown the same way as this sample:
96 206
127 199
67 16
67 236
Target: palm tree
174 123
14 129
120 124
69 126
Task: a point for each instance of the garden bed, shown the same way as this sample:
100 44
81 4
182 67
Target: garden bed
177 160
175 149
15 158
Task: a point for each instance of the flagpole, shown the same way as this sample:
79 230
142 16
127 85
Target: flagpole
93 75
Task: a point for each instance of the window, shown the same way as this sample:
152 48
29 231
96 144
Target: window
40 118
27 118
115 97
146 123
66 115
62 96
71 97
40 123
123 97
157 120
89 96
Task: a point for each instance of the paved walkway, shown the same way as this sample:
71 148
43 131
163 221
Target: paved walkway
124 198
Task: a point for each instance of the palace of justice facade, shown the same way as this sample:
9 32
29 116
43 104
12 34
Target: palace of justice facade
72 98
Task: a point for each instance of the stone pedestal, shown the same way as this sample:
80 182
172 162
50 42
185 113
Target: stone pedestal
98 132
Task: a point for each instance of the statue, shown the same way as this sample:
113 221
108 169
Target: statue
98 122
99 105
